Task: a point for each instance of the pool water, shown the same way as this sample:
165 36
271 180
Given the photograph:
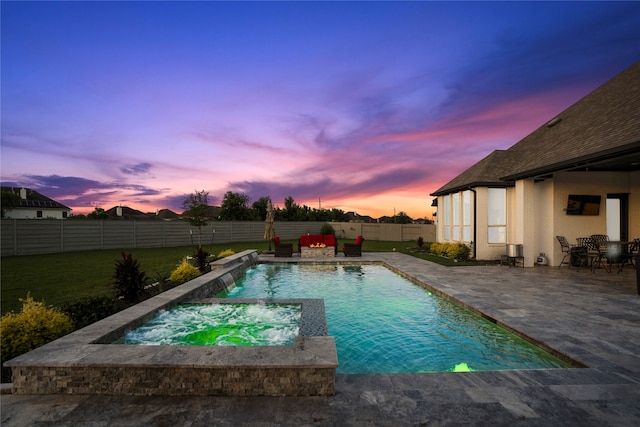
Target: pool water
383 323
221 325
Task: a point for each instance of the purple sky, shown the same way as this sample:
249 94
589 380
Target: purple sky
365 106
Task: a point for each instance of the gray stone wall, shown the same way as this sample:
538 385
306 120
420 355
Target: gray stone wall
176 381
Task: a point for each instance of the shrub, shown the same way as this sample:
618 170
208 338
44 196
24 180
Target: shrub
34 326
420 242
458 251
184 272
438 248
129 280
327 229
450 250
226 253
89 310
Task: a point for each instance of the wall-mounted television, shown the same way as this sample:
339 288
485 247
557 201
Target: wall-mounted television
582 204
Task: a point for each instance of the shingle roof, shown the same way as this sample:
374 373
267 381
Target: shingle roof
125 213
486 173
603 124
35 199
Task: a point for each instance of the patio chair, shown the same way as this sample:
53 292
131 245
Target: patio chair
600 238
566 250
600 249
353 249
282 249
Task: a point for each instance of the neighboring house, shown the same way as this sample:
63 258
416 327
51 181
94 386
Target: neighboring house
354 217
33 205
167 215
127 213
577 175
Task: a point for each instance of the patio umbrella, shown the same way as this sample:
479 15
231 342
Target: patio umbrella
269 231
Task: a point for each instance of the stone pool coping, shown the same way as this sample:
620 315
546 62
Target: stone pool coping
84 362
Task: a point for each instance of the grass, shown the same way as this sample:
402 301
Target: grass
66 277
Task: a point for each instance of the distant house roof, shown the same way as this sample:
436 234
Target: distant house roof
600 132
167 214
213 212
34 200
125 212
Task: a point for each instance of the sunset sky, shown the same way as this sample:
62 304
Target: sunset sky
360 106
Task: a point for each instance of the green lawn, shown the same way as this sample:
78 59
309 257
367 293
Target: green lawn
61 278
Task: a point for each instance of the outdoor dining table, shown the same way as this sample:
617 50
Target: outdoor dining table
614 251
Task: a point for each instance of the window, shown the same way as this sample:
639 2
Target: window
38 214
456 217
466 216
447 217
497 215
64 214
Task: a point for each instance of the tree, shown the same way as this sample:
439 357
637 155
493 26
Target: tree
235 207
293 212
403 218
98 213
196 209
339 215
260 206
9 201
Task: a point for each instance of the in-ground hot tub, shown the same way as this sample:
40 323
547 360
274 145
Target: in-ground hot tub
86 361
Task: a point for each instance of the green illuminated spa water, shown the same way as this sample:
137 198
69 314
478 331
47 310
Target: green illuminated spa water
382 323
221 325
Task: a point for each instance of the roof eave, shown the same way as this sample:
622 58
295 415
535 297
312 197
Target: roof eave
457 189
583 161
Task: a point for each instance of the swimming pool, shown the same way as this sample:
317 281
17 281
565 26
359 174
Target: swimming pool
383 323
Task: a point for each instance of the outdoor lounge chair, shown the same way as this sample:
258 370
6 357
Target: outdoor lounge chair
282 249
353 249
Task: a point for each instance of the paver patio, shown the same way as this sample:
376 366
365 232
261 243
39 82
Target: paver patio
592 317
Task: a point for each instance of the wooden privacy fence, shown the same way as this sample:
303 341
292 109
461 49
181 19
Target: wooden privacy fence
30 237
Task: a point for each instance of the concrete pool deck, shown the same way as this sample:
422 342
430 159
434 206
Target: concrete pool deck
592 317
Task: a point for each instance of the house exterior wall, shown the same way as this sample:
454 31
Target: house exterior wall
521 227
544 241
479 224
26 213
